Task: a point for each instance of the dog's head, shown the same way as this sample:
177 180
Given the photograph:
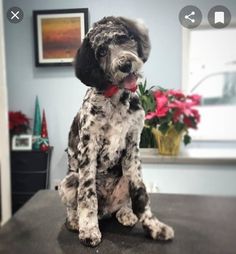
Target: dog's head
112 52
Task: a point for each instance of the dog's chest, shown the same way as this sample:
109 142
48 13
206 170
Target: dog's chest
121 122
110 121
116 135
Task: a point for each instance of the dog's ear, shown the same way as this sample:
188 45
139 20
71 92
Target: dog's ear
140 33
87 68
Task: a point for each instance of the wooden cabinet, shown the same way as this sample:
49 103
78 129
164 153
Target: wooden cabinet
30 171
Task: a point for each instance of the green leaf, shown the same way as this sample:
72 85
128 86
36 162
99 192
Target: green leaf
169 117
147 139
164 127
145 84
162 89
179 126
187 139
140 86
150 89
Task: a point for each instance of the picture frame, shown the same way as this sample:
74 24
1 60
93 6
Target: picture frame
22 142
58 35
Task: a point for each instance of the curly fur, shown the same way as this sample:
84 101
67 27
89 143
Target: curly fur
104 168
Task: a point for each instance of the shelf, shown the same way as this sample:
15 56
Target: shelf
206 156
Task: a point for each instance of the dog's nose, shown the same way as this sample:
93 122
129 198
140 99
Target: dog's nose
126 67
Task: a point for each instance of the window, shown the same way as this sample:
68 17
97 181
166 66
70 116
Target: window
209 69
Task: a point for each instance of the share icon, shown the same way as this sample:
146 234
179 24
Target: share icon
190 15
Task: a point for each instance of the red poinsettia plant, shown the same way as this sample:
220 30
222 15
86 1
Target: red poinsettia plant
19 123
173 108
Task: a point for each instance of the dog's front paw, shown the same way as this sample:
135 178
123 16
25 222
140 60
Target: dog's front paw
90 236
158 230
126 217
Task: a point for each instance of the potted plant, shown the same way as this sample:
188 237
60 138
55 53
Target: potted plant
19 123
169 115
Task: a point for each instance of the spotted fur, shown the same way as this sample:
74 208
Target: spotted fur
104 167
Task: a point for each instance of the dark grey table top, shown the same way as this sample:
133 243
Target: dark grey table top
202 225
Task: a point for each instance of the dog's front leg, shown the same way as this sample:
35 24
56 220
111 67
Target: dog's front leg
131 166
89 233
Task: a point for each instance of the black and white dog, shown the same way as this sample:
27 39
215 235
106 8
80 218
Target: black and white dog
104 175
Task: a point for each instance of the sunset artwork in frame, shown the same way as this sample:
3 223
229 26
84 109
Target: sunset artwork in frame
58 35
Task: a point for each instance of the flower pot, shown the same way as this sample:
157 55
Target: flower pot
168 143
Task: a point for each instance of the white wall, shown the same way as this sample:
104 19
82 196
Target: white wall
59 92
190 179
5 194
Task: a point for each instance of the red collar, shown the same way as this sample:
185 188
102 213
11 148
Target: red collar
113 89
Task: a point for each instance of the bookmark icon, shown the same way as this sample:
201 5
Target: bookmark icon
219 17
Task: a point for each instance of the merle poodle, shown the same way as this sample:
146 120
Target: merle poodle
104 168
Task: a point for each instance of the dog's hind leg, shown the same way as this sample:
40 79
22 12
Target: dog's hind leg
68 193
126 216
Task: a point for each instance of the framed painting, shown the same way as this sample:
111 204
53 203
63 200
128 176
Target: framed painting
22 142
58 35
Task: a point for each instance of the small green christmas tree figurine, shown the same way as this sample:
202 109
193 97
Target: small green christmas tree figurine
37 126
44 142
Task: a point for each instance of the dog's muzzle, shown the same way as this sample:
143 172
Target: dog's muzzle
126 67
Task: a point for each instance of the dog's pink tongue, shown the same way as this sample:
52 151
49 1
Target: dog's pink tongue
130 83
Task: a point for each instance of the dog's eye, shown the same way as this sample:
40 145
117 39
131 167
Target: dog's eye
121 39
102 51
131 37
